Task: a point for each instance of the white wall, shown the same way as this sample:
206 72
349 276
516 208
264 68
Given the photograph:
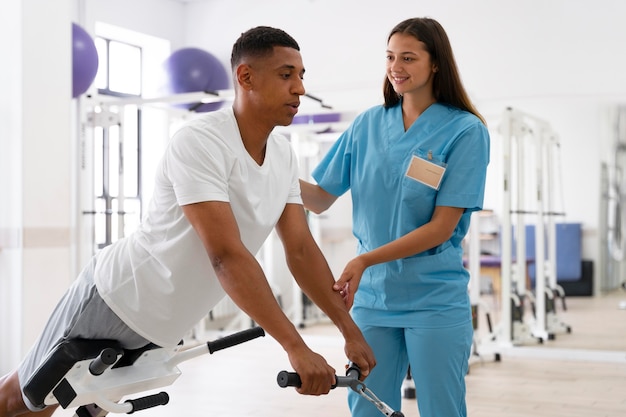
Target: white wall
505 49
160 18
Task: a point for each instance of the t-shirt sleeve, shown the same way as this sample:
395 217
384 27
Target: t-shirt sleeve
197 167
294 196
463 184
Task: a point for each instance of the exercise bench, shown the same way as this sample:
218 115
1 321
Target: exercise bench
94 375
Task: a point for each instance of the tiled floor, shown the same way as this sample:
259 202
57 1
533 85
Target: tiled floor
578 374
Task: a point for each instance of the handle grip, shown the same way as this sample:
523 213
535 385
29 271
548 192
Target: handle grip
292 379
288 379
100 364
235 339
148 401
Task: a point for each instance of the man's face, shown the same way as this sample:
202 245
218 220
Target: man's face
277 84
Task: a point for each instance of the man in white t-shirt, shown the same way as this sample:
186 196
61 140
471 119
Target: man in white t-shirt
225 181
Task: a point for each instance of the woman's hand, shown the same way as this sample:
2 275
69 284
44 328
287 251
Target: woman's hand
348 282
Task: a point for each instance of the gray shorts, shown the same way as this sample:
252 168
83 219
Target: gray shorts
81 313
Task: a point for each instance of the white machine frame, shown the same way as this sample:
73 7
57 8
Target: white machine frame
520 132
74 374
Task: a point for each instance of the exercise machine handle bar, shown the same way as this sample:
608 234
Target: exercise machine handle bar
219 344
107 358
100 364
351 380
148 401
292 379
235 339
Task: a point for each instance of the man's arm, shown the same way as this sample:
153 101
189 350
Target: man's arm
243 279
310 269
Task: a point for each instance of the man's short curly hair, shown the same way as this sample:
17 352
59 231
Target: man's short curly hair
258 42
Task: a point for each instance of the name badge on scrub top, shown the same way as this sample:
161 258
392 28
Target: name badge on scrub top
426 172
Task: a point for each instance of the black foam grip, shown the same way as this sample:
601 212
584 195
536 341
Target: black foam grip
288 379
148 401
235 339
106 358
292 379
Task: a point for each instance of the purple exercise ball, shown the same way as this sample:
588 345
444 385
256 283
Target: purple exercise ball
193 69
84 60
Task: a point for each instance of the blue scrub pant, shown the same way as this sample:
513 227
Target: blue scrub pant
439 361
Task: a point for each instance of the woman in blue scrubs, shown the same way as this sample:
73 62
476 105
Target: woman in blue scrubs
416 168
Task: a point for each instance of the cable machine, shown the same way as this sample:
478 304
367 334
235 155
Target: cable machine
522 133
613 219
485 344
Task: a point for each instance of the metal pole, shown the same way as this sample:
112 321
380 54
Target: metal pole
505 260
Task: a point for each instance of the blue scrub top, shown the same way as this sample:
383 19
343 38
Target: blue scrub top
371 159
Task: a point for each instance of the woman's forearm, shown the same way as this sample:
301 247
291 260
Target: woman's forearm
315 198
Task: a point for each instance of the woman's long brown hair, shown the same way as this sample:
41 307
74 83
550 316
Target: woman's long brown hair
447 85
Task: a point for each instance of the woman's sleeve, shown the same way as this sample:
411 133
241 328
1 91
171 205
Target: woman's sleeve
333 171
463 184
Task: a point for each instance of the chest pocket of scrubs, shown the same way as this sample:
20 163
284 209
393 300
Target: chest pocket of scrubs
415 194
425 171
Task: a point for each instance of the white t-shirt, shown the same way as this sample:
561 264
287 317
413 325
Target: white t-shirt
159 280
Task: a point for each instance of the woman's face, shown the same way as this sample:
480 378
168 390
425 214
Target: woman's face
409 68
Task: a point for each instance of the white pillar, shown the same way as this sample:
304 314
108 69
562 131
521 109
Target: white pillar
35 170
10 180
